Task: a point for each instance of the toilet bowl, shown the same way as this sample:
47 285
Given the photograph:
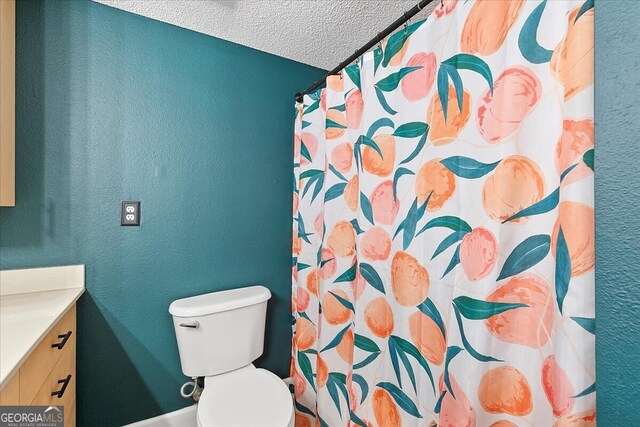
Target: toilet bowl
219 335
249 397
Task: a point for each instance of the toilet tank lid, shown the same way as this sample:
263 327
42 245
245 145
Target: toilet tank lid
216 302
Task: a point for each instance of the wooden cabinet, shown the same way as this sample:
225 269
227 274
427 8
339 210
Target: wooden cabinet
48 376
7 101
10 394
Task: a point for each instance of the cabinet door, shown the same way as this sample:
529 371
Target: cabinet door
10 393
7 101
45 356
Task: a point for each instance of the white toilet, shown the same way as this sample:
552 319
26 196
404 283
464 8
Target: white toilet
219 335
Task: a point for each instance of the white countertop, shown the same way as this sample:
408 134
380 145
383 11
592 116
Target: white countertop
25 318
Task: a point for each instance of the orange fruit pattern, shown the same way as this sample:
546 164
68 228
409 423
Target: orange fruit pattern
376 244
455 410
427 337
376 164
515 94
335 313
436 180
505 390
409 279
530 325
557 387
379 317
385 207
478 253
446 131
385 409
431 284
572 60
516 183
488 25
578 227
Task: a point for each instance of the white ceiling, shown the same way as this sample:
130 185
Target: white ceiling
315 32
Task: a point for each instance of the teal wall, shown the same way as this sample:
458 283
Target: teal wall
111 106
618 212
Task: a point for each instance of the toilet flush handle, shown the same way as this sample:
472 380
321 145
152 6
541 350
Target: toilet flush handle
193 325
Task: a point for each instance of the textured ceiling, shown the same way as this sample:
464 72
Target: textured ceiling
316 32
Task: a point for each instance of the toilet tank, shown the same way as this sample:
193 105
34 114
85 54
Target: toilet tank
220 331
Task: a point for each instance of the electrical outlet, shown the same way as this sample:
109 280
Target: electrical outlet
130 213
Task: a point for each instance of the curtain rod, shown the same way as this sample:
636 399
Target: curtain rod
381 36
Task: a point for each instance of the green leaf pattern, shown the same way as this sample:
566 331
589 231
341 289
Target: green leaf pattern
433 251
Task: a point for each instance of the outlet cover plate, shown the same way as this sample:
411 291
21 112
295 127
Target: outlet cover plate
130 213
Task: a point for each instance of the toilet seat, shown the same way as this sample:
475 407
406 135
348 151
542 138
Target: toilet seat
245 398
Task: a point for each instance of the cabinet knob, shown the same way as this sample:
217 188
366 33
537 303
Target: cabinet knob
65 383
61 344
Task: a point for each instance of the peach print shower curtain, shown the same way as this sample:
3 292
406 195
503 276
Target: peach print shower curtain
444 227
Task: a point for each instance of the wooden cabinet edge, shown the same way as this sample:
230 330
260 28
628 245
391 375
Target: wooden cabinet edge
7 102
10 393
70 415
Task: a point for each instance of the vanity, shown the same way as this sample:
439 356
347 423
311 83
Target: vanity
38 337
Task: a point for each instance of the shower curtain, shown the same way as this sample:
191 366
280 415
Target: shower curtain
443 225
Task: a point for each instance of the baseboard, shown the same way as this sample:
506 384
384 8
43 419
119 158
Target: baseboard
185 417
